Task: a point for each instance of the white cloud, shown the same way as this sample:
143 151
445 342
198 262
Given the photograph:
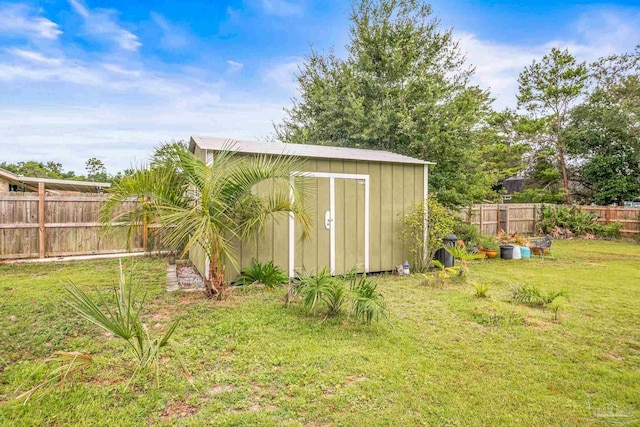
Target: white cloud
282 8
234 66
34 56
102 24
21 19
173 36
283 74
595 34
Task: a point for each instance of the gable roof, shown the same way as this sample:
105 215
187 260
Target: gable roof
301 150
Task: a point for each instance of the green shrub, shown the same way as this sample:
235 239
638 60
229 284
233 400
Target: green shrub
334 296
122 319
310 287
531 295
367 304
267 274
488 242
468 233
460 253
576 221
481 288
440 223
612 231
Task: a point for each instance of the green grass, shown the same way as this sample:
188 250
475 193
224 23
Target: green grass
448 358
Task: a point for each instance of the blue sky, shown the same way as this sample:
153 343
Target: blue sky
112 79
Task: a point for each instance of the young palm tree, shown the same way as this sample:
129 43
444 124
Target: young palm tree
210 207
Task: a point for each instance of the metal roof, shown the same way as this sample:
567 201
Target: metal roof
301 150
54 184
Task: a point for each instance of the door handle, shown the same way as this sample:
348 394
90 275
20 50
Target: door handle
327 220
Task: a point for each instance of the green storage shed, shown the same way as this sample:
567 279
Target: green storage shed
359 197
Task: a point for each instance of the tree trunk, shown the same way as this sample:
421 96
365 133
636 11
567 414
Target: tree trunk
565 178
215 283
563 165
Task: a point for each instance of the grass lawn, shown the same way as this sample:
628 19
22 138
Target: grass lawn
447 359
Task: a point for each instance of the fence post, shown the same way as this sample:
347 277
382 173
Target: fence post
145 230
41 229
607 215
507 222
480 221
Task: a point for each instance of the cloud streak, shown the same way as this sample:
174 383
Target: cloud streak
102 24
22 20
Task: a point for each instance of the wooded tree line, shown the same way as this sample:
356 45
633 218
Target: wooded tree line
404 86
95 168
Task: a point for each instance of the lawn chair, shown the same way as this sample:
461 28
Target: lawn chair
542 245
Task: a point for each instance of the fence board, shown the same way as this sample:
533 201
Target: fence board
522 217
70 226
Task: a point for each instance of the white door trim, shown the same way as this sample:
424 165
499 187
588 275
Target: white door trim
332 207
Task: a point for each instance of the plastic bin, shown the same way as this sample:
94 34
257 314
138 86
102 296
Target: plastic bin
506 251
516 252
442 255
525 252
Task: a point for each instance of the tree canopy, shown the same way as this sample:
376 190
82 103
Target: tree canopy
403 87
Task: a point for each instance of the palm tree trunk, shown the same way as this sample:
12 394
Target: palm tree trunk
215 283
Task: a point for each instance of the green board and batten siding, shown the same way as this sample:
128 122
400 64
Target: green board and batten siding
393 188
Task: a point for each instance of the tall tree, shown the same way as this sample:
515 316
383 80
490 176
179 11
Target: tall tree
548 89
96 170
604 131
403 87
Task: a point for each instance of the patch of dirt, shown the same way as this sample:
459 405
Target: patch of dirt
615 356
351 380
178 410
190 298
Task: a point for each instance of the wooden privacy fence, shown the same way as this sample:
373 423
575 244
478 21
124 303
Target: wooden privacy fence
39 225
522 217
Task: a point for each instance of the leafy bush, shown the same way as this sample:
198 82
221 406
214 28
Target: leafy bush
311 288
468 233
567 221
482 289
612 231
488 242
531 295
440 223
442 274
334 296
122 319
555 306
533 195
367 304
460 253
268 274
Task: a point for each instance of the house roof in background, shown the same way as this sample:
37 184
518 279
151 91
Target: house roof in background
54 184
301 150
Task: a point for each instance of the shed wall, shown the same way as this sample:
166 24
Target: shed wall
393 189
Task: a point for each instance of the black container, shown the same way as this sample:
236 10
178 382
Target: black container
506 251
442 255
